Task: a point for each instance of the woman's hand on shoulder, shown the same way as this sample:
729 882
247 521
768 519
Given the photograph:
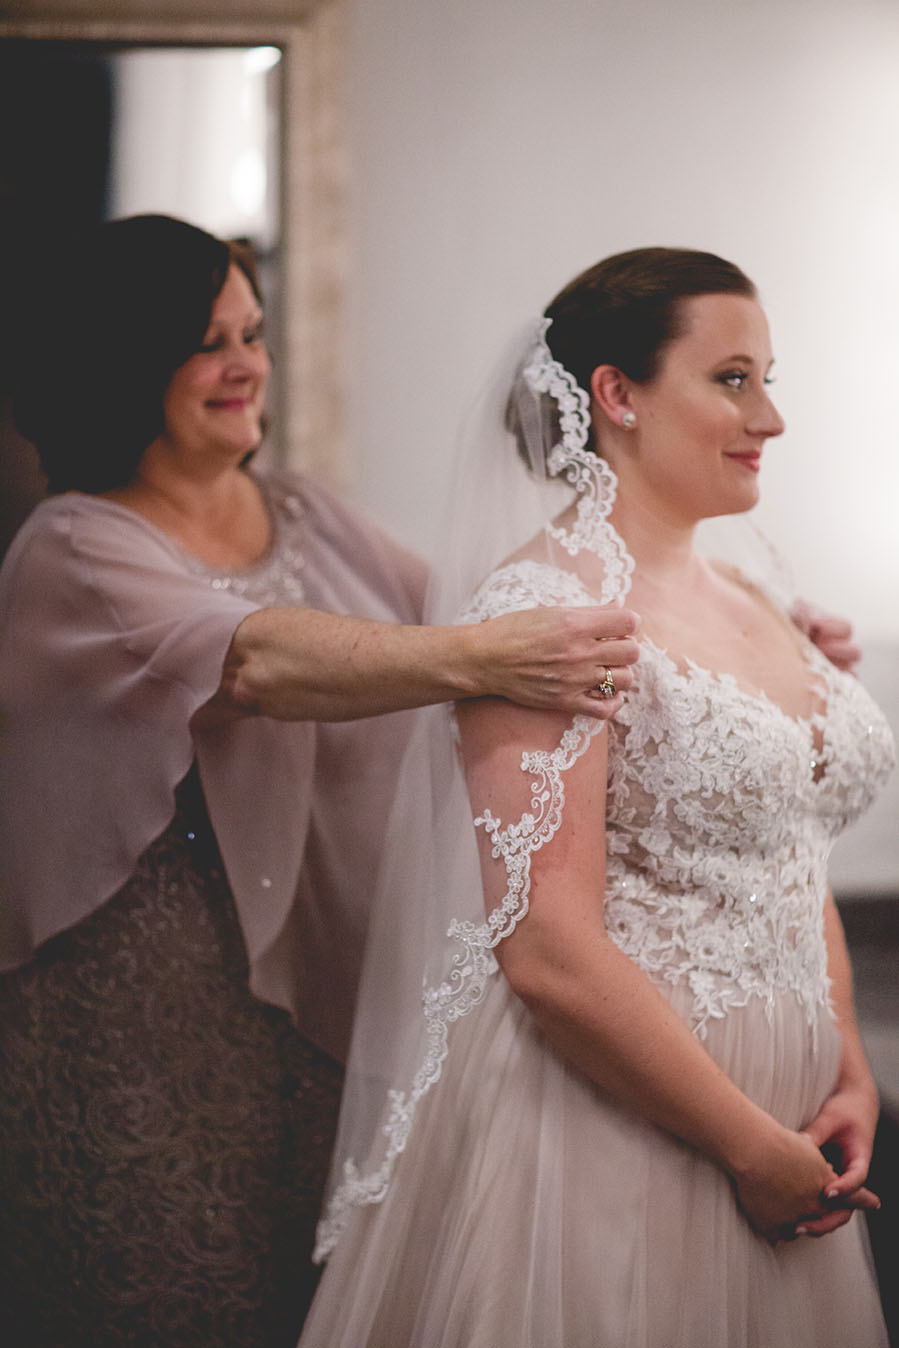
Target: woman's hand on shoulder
833 636
555 659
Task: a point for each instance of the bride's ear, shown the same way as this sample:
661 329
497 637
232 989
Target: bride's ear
611 394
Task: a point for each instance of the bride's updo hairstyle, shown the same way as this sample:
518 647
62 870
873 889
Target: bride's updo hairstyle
626 309
623 312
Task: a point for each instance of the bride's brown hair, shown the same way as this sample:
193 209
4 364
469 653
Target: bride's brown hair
626 309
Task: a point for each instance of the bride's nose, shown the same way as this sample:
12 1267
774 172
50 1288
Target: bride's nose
765 420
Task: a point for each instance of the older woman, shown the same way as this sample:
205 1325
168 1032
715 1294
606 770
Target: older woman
191 811
590 1088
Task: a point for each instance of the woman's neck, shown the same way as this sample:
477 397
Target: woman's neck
214 513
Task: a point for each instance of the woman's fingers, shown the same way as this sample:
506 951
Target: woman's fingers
600 708
610 680
832 635
619 653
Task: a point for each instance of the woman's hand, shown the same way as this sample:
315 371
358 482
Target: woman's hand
554 659
301 664
832 636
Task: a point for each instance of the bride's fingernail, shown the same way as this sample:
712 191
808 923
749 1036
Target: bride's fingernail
831 1193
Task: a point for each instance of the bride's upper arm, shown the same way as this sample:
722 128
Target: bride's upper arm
537 786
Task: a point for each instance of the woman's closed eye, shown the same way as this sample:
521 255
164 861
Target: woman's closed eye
248 337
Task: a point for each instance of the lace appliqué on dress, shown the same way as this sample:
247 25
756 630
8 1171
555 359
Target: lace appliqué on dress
524 585
720 817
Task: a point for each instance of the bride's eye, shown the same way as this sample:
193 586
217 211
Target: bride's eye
733 378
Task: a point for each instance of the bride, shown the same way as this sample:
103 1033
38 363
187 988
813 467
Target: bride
606 1089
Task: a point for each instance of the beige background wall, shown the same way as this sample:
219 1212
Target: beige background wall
499 148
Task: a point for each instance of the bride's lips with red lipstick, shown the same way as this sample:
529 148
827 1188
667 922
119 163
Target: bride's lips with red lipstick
751 460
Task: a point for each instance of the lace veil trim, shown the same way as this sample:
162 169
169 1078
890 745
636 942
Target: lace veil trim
471 961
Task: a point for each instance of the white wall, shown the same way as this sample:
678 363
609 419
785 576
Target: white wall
194 138
499 148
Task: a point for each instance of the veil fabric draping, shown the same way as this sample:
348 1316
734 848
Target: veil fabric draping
429 953
483 1192
111 640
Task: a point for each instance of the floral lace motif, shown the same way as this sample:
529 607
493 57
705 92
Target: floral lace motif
720 816
522 586
593 480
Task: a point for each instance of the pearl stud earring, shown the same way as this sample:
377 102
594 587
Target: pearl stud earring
629 421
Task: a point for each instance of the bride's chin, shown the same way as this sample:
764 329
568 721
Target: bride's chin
744 498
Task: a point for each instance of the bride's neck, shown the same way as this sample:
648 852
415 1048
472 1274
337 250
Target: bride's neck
662 548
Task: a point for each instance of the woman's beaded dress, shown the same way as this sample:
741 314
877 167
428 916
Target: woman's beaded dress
165 1133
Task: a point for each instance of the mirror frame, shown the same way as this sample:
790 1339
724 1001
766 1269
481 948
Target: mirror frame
312 35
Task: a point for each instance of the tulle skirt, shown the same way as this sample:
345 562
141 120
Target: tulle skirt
529 1211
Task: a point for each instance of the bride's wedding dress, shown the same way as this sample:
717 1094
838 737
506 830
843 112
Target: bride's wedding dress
528 1209
486 1193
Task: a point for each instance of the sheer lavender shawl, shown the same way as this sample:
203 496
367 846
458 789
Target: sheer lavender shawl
110 640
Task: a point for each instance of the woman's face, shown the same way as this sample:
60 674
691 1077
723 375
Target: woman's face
703 420
213 403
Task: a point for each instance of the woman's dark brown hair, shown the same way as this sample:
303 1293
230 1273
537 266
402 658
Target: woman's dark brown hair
626 309
116 317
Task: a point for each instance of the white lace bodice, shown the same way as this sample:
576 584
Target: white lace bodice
720 815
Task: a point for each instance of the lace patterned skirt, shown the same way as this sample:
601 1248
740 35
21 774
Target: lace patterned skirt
164 1135
529 1211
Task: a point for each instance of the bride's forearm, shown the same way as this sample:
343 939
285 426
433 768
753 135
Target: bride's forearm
604 1015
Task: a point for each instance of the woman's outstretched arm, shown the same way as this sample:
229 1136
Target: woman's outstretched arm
302 664
598 1008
